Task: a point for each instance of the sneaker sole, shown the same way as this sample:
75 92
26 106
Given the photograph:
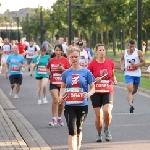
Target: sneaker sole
98 140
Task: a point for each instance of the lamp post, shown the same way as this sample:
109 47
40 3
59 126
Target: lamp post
41 24
27 28
121 41
18 33
69 23
139 24
7 25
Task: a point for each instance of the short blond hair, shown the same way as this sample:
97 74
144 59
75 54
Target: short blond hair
72 49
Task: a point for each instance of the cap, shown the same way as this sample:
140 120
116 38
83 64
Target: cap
80 43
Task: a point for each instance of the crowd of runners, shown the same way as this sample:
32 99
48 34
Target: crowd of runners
75 73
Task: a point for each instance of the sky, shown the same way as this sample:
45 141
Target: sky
15 5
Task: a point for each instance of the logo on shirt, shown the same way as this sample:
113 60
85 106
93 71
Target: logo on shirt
75 80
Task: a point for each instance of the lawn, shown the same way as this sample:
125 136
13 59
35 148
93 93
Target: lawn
145 82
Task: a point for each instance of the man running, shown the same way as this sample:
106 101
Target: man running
14 64
131 61
30 53
6 50
85 56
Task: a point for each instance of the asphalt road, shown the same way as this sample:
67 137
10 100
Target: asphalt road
129 131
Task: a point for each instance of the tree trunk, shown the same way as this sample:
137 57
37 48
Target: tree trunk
114 41
107 38
102 38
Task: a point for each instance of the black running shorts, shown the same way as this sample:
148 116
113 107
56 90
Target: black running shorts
99 100
53 86
15 79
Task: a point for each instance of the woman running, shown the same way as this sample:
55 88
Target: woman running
55 67
76 80
102 100
41 75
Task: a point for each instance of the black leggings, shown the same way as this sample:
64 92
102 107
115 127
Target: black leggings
75 116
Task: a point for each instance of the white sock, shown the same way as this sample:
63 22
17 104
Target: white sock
58 117
54 118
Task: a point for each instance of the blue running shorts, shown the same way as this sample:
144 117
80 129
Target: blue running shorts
132 79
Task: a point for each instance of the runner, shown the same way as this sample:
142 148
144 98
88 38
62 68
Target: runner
30 53
14 64
85 56
131 61
1 44
87 48
76 81
65 47
148 70
55 68
22 47
102 100
39 64
6 50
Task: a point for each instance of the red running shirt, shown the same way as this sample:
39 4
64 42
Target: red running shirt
53 64
103 69
21 48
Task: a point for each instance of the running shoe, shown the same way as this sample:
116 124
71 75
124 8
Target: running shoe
99 138
39 102
45 101
60 122
16 96
11 91
108 136
52 122
131 109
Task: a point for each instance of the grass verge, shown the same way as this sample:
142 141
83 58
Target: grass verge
145 82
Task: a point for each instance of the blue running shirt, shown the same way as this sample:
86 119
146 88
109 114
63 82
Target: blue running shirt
14 62
85 78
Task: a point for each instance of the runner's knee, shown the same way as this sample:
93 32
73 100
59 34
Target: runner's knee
72 130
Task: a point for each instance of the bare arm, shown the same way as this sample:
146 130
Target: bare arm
62 90
122 61
114 78
142 60
92 89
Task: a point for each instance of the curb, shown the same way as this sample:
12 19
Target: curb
24 128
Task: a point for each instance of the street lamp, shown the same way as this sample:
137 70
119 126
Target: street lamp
7 25
121 33
69 23
41 24
27 28
139 24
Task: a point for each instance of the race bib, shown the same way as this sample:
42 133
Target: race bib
102 87
31 54
42 70
74 96
15 69
56 79
6 52
130 68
